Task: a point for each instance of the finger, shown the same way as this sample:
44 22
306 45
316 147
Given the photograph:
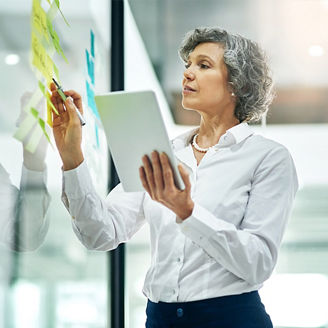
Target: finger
158 174
52 86
57 102
185 177
71 110
167 172
76 98
149 174
143 179
54 92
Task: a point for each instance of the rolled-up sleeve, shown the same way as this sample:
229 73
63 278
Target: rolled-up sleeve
250 250
100 224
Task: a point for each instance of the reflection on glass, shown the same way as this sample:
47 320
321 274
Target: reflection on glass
23 211
44 272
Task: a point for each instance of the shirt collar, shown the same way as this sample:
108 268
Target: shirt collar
234 135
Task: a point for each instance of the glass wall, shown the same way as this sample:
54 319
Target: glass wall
47 278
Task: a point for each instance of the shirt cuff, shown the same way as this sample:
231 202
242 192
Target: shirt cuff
33 178
202 224
77 182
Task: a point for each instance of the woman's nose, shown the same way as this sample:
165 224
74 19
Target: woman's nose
188 74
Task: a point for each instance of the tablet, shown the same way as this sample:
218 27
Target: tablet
134 127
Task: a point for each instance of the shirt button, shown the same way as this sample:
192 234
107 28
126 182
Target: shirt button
179 312
178 259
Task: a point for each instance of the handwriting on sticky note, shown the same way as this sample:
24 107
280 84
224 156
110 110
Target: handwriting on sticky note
40 59
39 19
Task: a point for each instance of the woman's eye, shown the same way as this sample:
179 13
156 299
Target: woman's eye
204 66
187 65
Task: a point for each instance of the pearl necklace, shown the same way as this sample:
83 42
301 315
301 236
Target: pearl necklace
194 144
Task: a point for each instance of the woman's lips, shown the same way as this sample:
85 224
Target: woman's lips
188 90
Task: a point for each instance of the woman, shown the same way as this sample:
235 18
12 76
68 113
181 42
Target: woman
214 243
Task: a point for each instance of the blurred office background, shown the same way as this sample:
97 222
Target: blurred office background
61 284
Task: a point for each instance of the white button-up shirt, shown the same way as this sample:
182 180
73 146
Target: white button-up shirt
243 190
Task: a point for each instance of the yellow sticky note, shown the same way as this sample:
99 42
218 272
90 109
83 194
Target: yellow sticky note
39 19
41 60
49 114
56 73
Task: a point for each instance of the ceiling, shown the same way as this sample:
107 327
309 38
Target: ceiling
285 28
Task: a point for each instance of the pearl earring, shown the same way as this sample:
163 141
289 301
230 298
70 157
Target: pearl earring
232 94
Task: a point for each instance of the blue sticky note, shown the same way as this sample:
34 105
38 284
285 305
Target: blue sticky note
97 135
90 67
91 100
92 41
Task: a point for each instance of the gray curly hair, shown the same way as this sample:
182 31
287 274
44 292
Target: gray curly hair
248 71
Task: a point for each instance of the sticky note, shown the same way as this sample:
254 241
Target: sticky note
90 67
91 101
56 73
58 5
52 12
97 134
39 19
41 60
92 44
42 125
55 40
34 112
49 113
47 96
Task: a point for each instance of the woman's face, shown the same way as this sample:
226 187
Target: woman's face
205 82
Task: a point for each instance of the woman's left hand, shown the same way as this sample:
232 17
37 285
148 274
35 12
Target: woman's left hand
157 178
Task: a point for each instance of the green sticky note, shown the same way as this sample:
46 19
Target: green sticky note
43 128
34 112
42 88
58 6
46 94
52 12
55 39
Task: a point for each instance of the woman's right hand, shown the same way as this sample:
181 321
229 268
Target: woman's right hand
67 128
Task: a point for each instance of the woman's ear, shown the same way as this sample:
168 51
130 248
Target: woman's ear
231 89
